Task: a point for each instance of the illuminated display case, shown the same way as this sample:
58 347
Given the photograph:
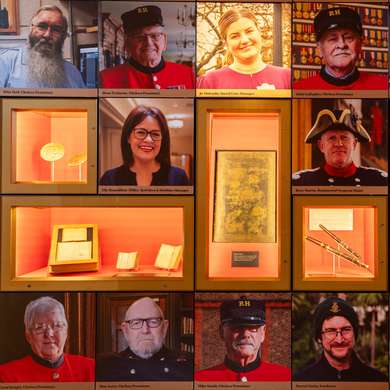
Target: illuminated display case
340 242
48 146
243 205
123 225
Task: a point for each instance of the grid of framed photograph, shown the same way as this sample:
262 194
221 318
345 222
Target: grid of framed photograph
194 194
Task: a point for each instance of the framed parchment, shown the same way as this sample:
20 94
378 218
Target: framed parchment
74 248
245 196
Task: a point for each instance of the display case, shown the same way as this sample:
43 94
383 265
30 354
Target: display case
117 225
48 146
340 243
243 197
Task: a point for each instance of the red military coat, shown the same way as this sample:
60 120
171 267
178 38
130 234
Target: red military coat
366 81
26 370
168 75
254 372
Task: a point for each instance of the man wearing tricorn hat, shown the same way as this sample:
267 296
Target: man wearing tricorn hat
339 42
336 330
336 133
242 328
145 42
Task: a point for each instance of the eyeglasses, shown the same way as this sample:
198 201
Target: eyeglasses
56 327
143 133
331 333
155 37
138 323
54 28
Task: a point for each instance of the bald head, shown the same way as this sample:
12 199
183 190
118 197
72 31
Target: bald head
144 308
144 327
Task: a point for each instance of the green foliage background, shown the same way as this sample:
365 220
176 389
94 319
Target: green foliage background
306 350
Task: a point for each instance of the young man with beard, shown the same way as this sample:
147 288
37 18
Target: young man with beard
336 330
242 329
145 358
40 64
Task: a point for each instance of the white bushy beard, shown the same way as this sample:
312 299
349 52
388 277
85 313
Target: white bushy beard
147 350
46 64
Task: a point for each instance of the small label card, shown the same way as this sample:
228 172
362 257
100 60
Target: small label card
245 259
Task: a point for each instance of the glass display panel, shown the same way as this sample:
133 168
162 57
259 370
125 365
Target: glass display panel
49 146
339 242
121 229
257 256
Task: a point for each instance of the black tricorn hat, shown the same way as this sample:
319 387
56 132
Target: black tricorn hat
337 120
338 17
147 15
243 311
332 307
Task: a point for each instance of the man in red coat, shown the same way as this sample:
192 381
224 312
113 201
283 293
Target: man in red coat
243 331
46 330
146 68
339 42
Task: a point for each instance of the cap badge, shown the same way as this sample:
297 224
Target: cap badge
244 303
335 308
334 12
142 10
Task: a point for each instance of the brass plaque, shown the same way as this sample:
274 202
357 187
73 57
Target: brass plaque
245 197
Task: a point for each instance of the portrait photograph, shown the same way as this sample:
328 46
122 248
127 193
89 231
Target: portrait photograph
340 338
48 338
340 146
243 337
53 47
145 337
148 46
340 48
146 145
243 49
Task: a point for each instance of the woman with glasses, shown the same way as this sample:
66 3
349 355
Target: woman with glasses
145 145
46 332
244 66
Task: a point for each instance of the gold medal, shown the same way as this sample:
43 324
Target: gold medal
52 152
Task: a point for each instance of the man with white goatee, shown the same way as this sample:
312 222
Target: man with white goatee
146 358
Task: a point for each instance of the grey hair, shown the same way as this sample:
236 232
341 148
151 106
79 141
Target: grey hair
42 305
55 9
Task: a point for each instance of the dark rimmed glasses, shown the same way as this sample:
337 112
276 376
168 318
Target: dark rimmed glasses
141 134
138 323
345 332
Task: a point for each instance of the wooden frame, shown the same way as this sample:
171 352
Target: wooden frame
205 110
106 279
69 259
377 282
12 7
8 147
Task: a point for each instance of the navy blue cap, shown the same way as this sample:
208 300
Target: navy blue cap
332 307
243 311
147 15
338 17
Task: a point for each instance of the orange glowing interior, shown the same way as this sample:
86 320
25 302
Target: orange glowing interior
120 229
32 129
232 131
361 238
